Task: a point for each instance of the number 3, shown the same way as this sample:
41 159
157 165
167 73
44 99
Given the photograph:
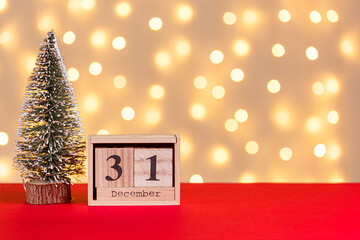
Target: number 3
116 166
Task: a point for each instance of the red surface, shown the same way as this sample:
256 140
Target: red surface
207 211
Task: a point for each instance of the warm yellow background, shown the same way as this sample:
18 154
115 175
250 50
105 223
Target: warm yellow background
314 113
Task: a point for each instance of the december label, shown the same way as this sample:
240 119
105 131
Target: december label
135 194
138 194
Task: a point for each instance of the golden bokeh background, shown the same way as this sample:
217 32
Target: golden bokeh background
259 91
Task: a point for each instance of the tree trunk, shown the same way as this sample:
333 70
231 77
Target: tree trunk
47 193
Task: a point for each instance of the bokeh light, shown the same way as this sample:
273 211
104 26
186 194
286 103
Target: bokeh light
73 74
98 39
200 82
91 103
334 151
69 37
196 178
285 153
320 150
157 91
216 56
282 117
44 24
4 38
273 86
119 43
315 16
30 63
332 85
247 178
237 75
197 111
347 47
333 117
231 125
311 53
313 124
284 15
128 113
220 155
183 48
95 68
4 138
218 92
229 18
3 4
241 47
184 13
318 88
186 146
249 16
155 24
332 16
4 169
119 81
162 59
252 147
241 115
88 4
278 50
103 132
123 9
153 116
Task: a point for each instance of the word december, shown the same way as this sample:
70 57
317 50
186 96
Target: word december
142 193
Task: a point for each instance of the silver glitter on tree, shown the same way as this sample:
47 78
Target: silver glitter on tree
53 141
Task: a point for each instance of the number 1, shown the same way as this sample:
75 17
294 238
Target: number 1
152 169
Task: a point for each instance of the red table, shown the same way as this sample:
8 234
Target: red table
207 211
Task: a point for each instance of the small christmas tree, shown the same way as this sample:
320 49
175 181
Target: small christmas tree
53 143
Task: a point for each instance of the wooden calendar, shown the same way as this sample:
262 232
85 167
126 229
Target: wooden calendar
134 170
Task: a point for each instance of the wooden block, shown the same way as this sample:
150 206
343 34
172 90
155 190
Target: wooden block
114 167
153 167
136 194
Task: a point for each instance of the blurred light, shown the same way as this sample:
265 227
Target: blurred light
286 153
153 116
241 47
220 155
44 24
95 68
318 88
3 4
184 13
91 103
156 91
231 125
278 50
73 74
337 179
216 56
332 85
30 63
155 24
347 47
320 150
252 147
311 53
332 16
119 43
127 113
241 115
333 117
237 75
4 38
162 59
315 16
273 86
4 138
103 132
282 118
98 39
334 152
74 4
249 16
284 15
196 178
218 92
119 81
197 111
183 48
200 82
247 178
313 124
4 170
123 9
69 37
229 18
88 4
186 146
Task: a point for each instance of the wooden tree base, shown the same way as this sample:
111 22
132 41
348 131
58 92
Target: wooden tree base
46 193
